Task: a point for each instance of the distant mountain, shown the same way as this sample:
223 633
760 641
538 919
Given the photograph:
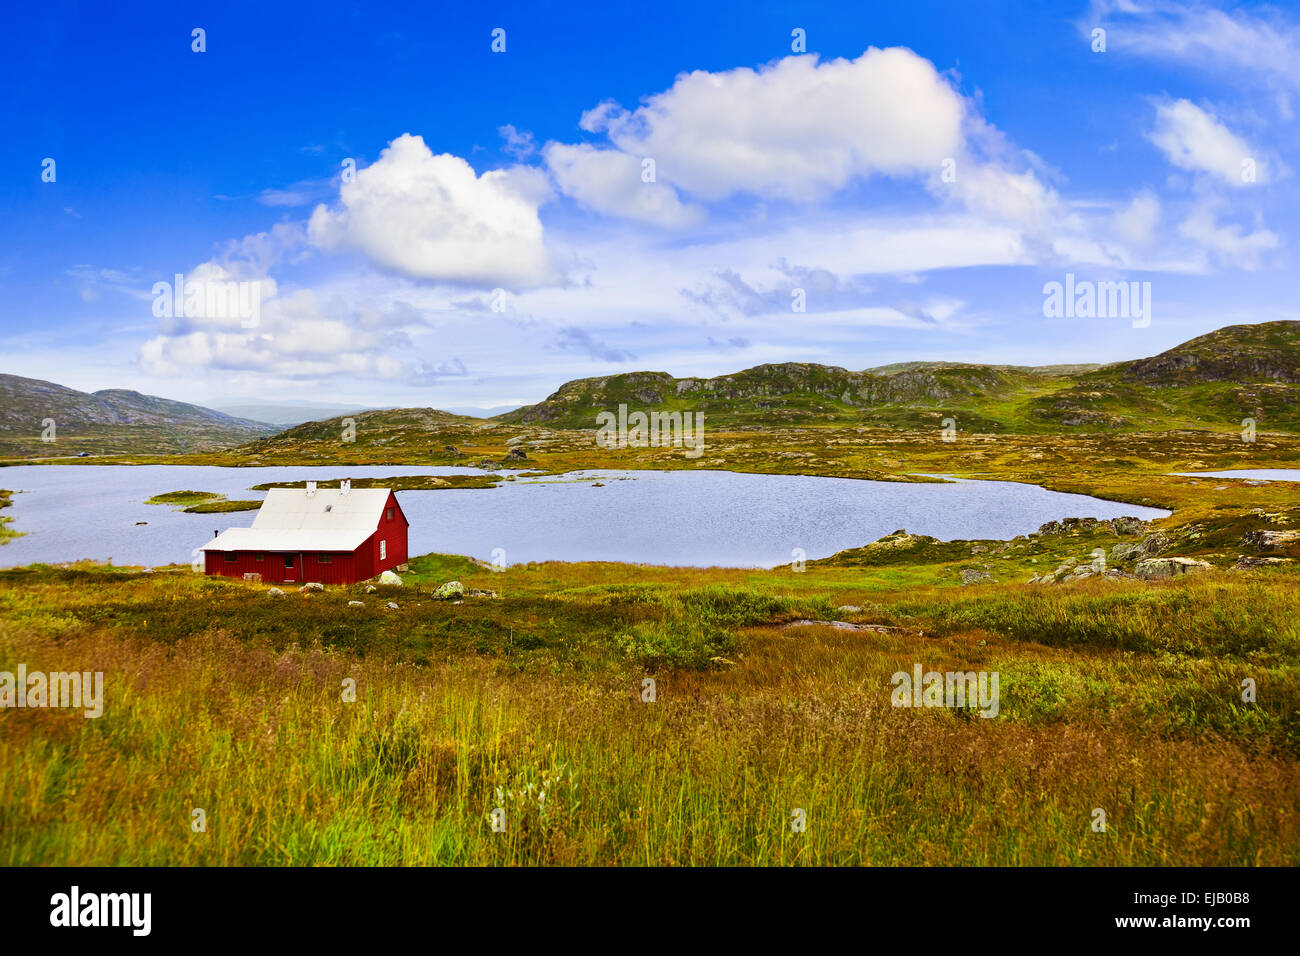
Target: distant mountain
1216 380
111 421
479 411
403 428
290 413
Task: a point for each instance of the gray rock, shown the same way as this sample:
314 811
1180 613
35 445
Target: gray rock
311 586
392 606
1124 551
1246 562
1156 569
388 577
973 576
452 589
355 604
274 592
1270 540
1127 525
371 589
1153 544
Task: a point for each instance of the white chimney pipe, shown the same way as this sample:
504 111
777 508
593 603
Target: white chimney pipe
311 488
345 485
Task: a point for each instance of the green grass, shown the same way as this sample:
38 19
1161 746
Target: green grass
203 502
6 532
183 497
220 507
1124 697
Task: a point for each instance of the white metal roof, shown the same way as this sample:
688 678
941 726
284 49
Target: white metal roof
292 520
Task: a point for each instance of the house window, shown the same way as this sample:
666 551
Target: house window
259 556
388 514
231 556
288 560
383 550
324 559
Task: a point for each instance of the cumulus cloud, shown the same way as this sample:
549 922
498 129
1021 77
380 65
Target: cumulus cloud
432 217
1229 245
1136 223
795 129
296 335
1194 140
610 182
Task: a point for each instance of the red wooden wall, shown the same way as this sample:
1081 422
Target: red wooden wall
342 568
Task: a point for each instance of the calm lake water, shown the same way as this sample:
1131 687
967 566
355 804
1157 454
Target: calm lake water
684 518
1256 474
697 518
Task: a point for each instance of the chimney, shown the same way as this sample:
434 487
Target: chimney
311 488
345 485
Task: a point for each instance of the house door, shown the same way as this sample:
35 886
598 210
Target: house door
290 570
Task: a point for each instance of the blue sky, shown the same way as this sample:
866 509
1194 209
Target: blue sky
499 237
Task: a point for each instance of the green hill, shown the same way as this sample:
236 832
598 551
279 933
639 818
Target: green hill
111 421
1214 381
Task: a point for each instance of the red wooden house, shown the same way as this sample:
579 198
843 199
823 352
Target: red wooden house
329 535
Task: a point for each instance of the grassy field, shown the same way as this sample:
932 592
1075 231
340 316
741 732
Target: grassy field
1116 695
6 532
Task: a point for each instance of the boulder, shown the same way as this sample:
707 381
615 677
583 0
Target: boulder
1124 551
452 589
477 593
392 606
371 589
355 604
973 576
1156 569
1270 540
1127 525
1246 562
311 586
1153 544
388 577
274 592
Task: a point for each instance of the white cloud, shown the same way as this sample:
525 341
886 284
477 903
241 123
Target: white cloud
794 129
519 143
610 182
431 217
1136 223
1237 43
1194 140
1231 246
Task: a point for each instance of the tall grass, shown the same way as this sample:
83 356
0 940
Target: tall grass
532 705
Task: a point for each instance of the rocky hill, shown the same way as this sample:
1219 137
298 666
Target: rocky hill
1214 381
111 421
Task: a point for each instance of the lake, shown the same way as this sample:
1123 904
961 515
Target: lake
1250 474
683 518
